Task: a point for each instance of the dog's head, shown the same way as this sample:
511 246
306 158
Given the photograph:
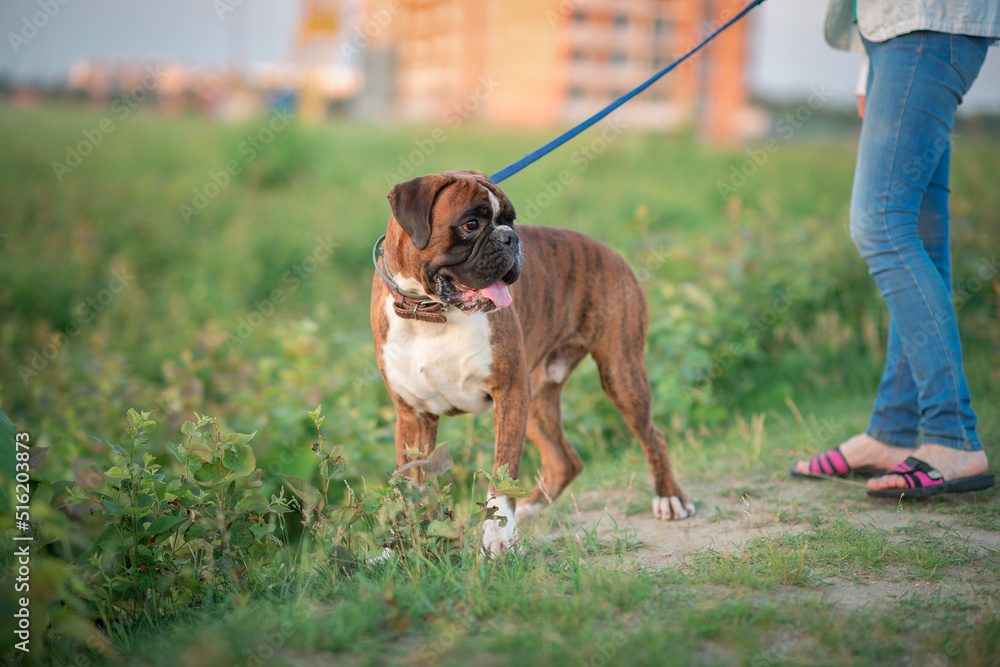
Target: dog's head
462 247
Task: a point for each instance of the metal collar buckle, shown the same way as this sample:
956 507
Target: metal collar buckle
408 305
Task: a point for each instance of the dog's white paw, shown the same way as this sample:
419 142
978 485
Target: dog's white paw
670 508
499 539
384 556
527 511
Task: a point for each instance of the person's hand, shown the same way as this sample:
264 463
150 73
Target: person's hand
862 86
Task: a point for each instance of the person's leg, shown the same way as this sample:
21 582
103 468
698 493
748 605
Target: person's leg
895 418
893 430
901 178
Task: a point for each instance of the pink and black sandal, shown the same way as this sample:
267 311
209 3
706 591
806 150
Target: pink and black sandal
923 480
833 464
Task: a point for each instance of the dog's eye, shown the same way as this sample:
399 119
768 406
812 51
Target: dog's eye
471 226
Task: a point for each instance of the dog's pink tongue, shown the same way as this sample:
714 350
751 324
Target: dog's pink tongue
497 293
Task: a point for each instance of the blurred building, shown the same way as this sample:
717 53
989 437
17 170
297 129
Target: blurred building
171 86
315 80
313 85
545 62
526 63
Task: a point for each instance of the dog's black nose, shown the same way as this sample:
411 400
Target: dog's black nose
505 235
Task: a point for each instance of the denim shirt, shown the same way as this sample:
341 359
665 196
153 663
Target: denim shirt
879 20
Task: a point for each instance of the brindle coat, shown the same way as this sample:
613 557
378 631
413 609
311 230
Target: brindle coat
574 296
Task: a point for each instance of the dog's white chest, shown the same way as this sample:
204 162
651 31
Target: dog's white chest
439 368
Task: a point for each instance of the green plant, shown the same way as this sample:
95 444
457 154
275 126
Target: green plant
413 518
171 543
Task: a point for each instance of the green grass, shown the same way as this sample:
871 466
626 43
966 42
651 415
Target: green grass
836 547
795 572
554 612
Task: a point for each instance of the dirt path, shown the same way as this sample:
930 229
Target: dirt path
727 521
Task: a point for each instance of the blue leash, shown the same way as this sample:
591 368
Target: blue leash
512 169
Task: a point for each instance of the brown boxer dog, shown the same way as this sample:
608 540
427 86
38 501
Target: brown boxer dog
471 313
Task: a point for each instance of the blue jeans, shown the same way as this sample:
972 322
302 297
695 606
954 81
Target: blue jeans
899 223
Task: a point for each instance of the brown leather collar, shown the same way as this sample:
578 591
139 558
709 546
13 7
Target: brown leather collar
408 305
422 311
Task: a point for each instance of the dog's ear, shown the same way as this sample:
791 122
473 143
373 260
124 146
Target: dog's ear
412 202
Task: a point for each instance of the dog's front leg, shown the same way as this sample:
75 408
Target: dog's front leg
510 418
414 430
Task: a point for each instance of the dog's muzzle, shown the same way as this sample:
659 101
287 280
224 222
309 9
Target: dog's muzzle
480 283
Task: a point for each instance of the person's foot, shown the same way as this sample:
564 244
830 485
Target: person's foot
952 463
864 451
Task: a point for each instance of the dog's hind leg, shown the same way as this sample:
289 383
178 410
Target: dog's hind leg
622 364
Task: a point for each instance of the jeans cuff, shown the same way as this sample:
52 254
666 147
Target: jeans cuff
960 445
